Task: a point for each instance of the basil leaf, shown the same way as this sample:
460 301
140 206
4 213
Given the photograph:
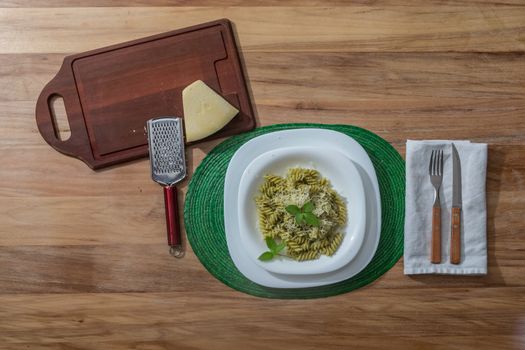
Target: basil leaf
266 256
293 209
299 218
280 247
311 219
270 243
308 207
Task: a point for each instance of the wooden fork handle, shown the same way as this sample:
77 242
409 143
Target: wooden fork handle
435 255
455 239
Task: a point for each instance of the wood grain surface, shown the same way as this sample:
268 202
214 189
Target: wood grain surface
83 257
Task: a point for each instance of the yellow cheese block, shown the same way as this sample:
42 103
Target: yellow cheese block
205 111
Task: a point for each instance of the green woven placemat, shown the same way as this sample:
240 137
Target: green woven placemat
204 217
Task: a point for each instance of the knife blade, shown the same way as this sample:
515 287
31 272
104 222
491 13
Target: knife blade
455 231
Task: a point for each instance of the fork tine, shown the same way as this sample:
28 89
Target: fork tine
436 163
435 166
441 163
431 163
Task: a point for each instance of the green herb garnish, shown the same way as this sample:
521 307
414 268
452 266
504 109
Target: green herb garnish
275 249
303 214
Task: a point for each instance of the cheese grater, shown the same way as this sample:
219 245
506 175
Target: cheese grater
168 166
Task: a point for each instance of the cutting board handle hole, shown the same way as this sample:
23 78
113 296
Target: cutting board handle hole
60 121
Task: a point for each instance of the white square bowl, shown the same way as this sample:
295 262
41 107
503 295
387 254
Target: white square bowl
345 180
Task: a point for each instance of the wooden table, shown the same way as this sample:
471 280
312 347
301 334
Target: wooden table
83 257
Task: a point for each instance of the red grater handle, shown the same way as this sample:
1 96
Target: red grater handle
172 221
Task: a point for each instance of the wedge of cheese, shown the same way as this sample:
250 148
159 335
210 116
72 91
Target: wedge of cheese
205 111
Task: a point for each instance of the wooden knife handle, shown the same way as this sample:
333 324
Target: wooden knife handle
435 257
455 239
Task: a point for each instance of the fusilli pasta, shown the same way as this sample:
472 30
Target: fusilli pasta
299 186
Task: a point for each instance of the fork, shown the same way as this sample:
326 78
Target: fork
435 171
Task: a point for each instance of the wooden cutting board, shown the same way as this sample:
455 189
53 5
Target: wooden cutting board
110 93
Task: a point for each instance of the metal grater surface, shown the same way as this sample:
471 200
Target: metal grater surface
166 148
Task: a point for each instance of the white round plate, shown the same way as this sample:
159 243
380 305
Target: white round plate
322 139
344 178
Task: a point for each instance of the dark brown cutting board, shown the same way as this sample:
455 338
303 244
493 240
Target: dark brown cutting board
110 93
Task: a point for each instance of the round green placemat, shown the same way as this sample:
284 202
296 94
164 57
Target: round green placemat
204 217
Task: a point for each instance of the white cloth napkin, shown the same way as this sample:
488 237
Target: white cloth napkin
418 208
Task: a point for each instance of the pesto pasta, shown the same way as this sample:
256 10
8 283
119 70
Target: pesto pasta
301 188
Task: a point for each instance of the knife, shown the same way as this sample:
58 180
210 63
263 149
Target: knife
455 237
